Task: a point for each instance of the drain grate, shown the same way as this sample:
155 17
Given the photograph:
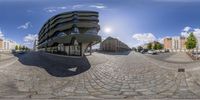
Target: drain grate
181 70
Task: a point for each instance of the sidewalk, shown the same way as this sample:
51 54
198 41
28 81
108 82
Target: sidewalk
179 57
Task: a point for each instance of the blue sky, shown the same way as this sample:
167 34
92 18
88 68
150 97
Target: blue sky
132 21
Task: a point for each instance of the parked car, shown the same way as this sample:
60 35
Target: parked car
144 51
152 52
166 51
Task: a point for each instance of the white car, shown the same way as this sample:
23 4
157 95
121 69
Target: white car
152 52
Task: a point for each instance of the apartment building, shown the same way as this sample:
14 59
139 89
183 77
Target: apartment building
113 45
175 44
7 45
71 33
168 43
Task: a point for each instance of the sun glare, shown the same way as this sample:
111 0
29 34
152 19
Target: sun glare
107 30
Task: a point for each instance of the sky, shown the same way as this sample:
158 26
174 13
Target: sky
134 22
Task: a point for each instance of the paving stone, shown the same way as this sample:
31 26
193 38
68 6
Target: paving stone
132 76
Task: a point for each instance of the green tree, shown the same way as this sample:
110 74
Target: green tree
155 46
16 47
20 47
191 42
149 46
23 47
159 46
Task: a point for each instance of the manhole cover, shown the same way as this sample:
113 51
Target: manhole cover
181 70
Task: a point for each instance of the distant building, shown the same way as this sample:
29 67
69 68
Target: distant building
175 44
7 45
168 43
113 44
145 46
35 45
1 44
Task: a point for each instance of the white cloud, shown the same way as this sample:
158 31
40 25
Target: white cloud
29 40
185 32
197 32
62 7
30 37
25 26
161 40
1 34
98 6
54 9
77 6
144 37
187 29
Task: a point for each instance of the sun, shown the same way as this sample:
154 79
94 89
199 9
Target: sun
107 29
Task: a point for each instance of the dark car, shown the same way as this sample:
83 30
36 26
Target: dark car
144 51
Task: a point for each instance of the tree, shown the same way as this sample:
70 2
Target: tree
23 47
149 46
27 49
155 46
16 47
159 46
20 48
191 42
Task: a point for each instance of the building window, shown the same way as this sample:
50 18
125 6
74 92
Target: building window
75 31
91 31
61 34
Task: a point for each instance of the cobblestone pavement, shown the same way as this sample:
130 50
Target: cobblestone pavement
124 76
5 56
177 57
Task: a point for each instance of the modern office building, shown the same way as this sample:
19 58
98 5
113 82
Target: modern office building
70 33
175 44
113 45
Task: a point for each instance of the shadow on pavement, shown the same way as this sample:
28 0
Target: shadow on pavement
115 53
58 66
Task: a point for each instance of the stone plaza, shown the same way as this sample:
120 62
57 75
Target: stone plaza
127 75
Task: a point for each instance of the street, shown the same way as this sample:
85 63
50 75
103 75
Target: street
118 76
